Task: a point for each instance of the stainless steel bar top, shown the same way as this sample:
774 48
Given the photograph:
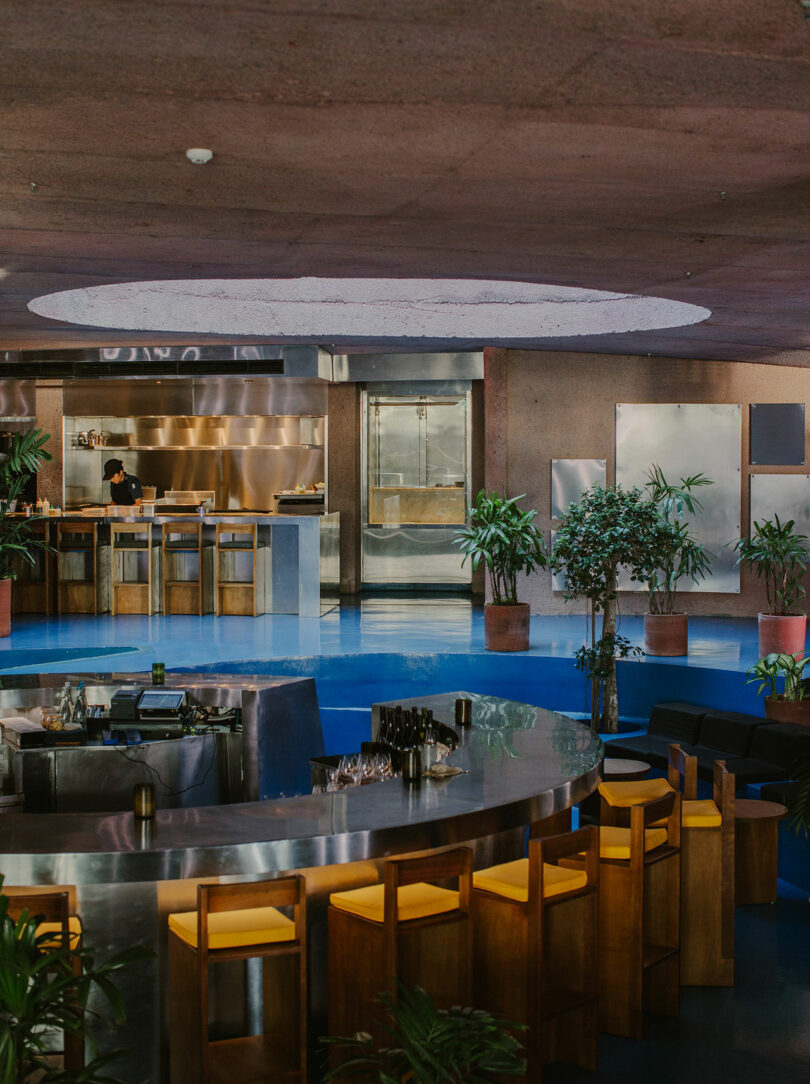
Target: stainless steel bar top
521 763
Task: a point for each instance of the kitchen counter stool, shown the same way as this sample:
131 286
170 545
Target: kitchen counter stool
131 573
240 570
33 589
185 569
77 564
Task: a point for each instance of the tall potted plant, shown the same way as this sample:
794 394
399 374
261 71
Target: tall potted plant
680 556
778 554
25 455
610 527
505 538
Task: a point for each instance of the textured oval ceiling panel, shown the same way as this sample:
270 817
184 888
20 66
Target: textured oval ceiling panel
331 308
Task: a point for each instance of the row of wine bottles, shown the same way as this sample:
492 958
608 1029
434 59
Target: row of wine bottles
402 730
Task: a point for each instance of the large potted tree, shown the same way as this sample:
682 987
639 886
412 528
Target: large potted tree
505 538
607 529
680 556
25 454
778 554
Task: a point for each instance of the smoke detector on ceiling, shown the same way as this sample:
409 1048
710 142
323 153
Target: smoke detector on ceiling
199 155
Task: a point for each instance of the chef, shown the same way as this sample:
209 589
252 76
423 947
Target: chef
124 488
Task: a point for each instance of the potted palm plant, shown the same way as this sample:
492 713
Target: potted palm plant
24 457
680 556
505 538
792 704
778 554
432 1046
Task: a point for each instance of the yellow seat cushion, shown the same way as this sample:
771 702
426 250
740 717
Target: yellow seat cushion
633 792
235 929
419 900
615 842
702 813
55 928
511 879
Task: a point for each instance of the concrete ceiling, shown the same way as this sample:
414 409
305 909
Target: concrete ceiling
636 146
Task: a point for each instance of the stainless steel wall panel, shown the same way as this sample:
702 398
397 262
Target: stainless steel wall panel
260 395
569 480
250 476
128 398
411 367
784 495
18 398
412 555
685 439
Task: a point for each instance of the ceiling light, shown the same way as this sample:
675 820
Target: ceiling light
199 155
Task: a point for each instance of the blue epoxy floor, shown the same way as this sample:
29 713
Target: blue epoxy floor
370 625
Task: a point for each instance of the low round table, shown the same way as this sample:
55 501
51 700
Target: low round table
756 848
626 770
612 768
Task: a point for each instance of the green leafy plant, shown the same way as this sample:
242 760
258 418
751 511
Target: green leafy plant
504 537
432 1046
769 670
680 555
608 528
26 453
778 554
40 990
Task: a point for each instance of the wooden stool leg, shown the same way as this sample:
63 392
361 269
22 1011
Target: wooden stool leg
188 1029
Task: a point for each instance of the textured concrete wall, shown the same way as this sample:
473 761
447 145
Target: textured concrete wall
344 478
562 405
49 419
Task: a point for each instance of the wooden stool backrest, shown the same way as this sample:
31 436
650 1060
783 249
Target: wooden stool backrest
682 772
568 845
45 906
645 814
278 892
428 867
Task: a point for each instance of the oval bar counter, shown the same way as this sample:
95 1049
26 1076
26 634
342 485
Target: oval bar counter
520 764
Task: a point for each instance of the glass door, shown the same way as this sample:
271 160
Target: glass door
416 453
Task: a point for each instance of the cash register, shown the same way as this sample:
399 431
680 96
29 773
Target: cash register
156 714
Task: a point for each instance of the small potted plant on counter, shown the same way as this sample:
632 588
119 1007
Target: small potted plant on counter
24 456
778 554
792 704
505 538
680 557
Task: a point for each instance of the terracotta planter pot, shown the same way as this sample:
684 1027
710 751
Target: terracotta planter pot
784 635
506 628
666 634
788 711
5 607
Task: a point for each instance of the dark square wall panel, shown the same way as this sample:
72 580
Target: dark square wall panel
777 434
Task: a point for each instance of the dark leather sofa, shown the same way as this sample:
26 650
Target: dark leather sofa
755 750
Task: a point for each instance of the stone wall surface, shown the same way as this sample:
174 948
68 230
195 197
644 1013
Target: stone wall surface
547 405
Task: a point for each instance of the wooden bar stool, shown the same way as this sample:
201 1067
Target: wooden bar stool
405 929
54 920
240 922
76 568
707 874
617 796
32 590
183 568
639 911
536 955
131 568
238 570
